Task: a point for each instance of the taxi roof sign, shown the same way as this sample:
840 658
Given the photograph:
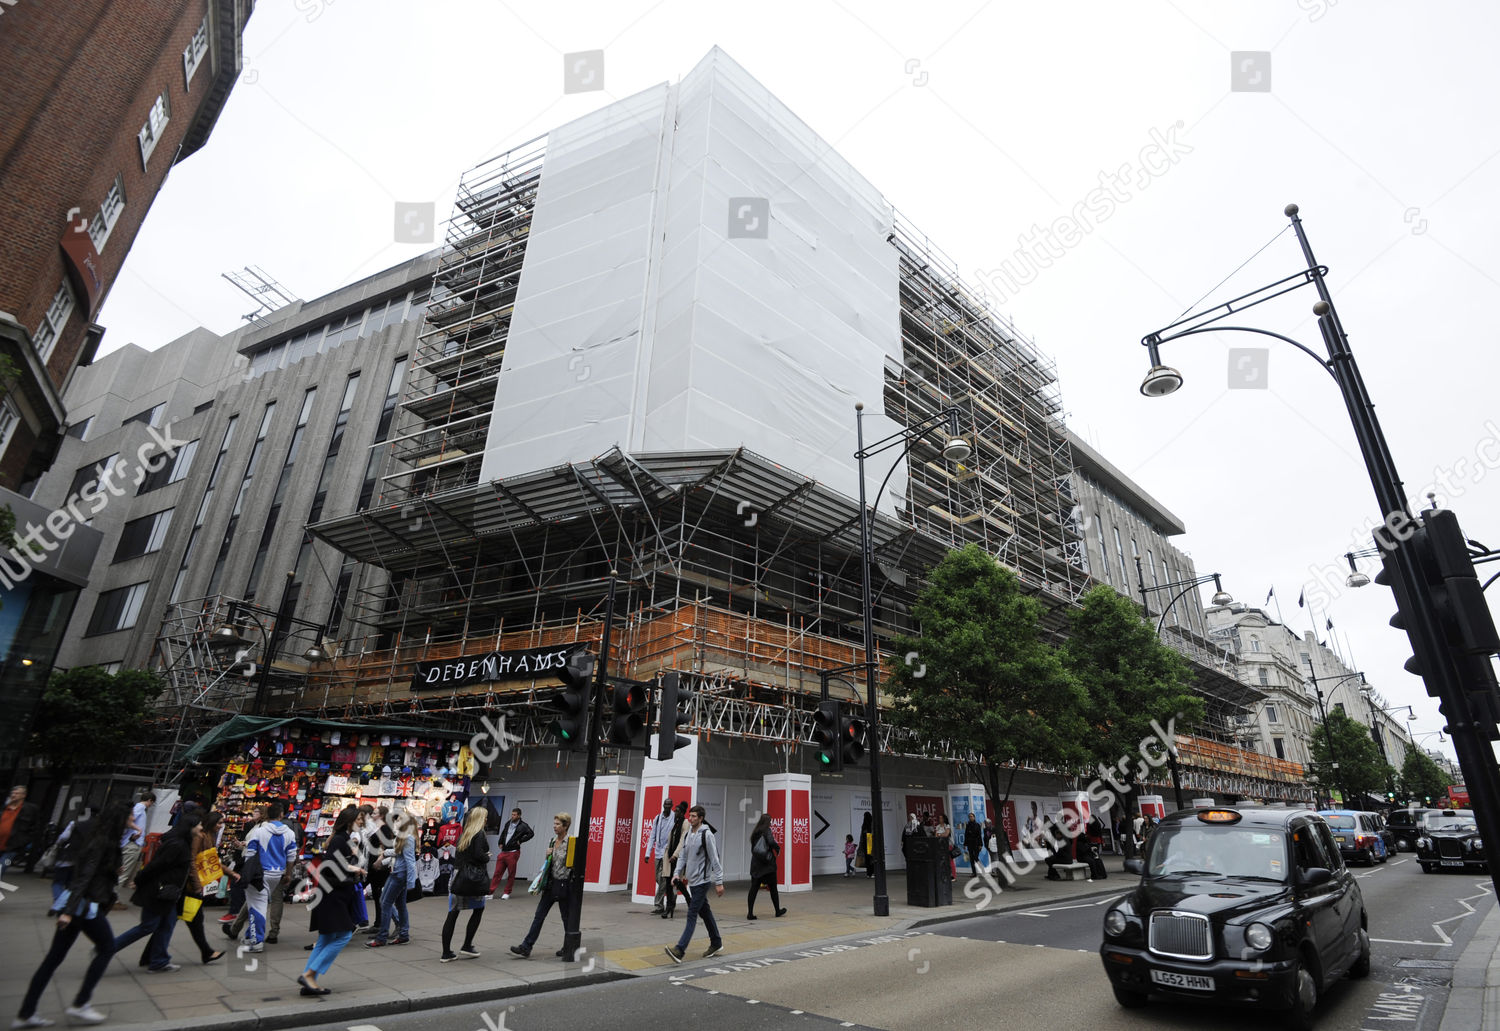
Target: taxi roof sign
1218 815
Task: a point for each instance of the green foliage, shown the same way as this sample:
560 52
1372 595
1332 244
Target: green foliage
980 677
1361 769
90 717
1421 777
1130 677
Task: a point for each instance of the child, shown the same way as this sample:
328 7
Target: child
848 855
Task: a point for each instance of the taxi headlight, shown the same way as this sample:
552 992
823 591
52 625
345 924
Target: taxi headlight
1424 842
1476 844
1259 937
1115 922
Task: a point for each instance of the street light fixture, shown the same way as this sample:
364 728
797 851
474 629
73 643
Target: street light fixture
1450 673
955 449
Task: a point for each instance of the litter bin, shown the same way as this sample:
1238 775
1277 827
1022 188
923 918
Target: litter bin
927 882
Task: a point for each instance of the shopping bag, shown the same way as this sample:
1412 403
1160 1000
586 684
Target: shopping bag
190 907
207 866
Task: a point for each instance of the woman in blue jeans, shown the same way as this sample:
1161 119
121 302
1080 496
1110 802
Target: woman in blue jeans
91 891
158 891
402 879
333 910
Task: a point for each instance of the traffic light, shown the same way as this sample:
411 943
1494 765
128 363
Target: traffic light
851 740
627 722
572 706
676 700
826 723
1390 796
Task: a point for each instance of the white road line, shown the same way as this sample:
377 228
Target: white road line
1402 941
1397 862
1059 909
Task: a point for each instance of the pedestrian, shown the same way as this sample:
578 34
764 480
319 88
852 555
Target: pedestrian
332 912
134 839
944 831
84 910
674 847
867 844
1031 836
553 883
380 843
513 835
400 881
62 865
273 845
913 829
362 839
159 886
202 841
468 885
656 852
973 844
849 853
20 821
698 866
763 853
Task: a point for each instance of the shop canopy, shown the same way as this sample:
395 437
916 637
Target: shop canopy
238 728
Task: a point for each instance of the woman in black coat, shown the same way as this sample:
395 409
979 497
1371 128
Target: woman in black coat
91 892
158 891
334 903
763 853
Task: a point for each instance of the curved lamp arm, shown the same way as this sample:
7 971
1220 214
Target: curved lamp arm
1153 342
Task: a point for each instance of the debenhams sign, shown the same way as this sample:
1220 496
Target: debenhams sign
520 664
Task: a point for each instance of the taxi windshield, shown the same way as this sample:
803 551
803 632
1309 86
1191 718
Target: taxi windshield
1461 823
1341 822
1191 848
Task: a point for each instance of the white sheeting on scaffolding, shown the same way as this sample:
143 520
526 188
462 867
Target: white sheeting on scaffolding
640 322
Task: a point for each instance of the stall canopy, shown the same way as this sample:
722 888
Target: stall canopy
240 727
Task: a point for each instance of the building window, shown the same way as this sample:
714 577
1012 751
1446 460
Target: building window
90 473
1255 644
109 213
156 121
45 338
118 609
1271 714
149 417
80 429
1339 706
9 420
1280 748
170 472
113 667
1265 677
193 54
1120 551
143 536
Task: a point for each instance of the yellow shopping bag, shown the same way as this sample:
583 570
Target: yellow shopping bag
190 908
207 866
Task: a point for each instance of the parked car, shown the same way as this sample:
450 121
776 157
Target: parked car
1386 834
1406 824
1246 906
1450 839
1358 835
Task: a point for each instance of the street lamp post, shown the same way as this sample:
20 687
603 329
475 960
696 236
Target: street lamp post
1378 732
1333 755
1444 670
1220 597
955 449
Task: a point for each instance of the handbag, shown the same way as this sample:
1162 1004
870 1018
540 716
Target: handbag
414 893
761 849
543 878
167 893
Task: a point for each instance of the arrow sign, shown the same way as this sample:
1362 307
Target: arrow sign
824 822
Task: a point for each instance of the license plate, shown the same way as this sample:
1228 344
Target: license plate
1450 862
1171 978
1343 839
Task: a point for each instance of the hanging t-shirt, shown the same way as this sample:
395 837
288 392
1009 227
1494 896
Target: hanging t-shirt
449 833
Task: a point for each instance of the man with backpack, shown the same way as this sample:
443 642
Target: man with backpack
272 844
698 866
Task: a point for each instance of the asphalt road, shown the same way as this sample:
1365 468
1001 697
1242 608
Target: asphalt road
1027 969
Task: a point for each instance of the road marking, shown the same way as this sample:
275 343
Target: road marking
1059 909
1398 862
1402 941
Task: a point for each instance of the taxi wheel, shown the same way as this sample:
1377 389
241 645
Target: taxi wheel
1128 999
1361 967
1427 868
1304 998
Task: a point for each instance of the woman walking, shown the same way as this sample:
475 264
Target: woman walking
158 891
203 841
674 846
867 843
554 884
402 879
91 891
469 884
763 853
332 914
944 832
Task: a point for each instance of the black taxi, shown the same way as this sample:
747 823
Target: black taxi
1248 906
1450 838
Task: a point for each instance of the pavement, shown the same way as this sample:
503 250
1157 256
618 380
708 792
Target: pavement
1474 1000
621 939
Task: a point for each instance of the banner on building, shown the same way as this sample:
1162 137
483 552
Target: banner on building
517 664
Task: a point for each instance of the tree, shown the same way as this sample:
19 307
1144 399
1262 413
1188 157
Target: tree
1361 770
981 679
1421 778
90 717
1135 685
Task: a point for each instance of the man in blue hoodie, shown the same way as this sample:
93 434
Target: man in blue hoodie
274 844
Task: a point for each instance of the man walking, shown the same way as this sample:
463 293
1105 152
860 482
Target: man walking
973 843
131 843
656 849
513 835
19 822
698 866
273 842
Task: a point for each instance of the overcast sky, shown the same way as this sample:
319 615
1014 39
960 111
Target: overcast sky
979 122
